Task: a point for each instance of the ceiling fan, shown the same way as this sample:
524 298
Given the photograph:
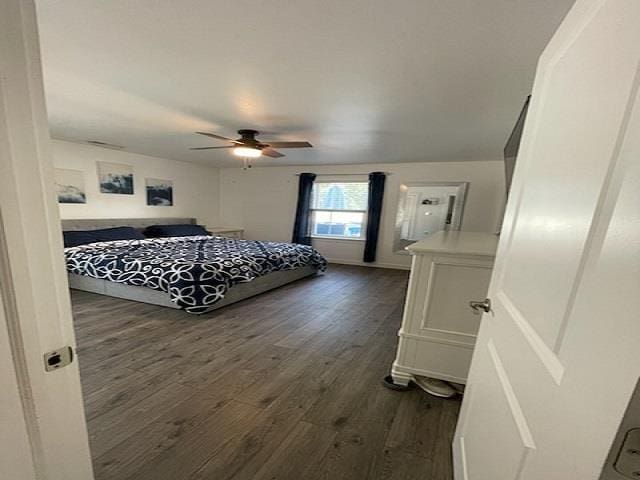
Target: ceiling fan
248 146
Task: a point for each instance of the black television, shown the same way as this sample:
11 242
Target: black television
513 145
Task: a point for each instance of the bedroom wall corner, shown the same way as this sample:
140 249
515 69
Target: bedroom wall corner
196 188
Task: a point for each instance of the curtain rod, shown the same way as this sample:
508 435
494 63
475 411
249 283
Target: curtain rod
342 174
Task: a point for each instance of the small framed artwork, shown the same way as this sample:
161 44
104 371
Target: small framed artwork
159 192
115 178
70 186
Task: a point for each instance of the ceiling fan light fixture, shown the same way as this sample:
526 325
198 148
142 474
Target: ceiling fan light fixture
247 152
247 146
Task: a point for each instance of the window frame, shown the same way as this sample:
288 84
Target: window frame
312 212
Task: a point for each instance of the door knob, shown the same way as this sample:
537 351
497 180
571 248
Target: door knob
477 306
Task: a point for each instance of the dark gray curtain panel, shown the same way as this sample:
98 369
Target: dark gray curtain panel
303 210
376 193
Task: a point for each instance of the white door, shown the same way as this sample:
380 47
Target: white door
558 357
43 434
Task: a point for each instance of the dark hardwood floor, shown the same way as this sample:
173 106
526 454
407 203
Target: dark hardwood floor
285 385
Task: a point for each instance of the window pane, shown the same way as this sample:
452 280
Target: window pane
323 217
341 196
338 224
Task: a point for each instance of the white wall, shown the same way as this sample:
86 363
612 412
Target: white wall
263 202
195 187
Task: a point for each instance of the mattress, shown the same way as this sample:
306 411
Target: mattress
192 273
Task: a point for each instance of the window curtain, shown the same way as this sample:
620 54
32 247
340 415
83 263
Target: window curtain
376 192
303 210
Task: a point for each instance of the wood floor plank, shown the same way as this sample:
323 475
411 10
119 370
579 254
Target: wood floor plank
128 412
442 467
348 399
285 385
198 444
392 464
300 455
416 425
125 458
283 411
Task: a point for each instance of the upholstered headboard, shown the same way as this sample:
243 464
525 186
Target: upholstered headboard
137 223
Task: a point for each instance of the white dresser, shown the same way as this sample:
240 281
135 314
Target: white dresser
438 333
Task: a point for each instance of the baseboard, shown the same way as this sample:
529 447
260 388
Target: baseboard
392 266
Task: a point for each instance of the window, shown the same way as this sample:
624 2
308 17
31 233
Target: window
339 209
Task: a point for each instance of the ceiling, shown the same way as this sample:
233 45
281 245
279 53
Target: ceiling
363 80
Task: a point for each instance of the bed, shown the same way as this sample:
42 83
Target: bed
197 274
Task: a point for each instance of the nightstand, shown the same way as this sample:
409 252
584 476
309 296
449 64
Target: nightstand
229 232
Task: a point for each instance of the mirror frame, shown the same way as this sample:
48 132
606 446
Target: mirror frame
458 208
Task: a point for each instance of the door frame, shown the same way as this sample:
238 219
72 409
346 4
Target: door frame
33 282
16 461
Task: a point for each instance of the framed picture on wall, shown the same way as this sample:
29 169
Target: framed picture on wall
115 178
70 186
159 192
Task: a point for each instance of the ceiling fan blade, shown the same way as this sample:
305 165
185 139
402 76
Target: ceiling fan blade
219 137
288 144
270 152
210 148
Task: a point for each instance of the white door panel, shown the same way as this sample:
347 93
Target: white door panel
503 457
572 155
556 359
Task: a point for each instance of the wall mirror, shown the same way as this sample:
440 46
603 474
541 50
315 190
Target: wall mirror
425 208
